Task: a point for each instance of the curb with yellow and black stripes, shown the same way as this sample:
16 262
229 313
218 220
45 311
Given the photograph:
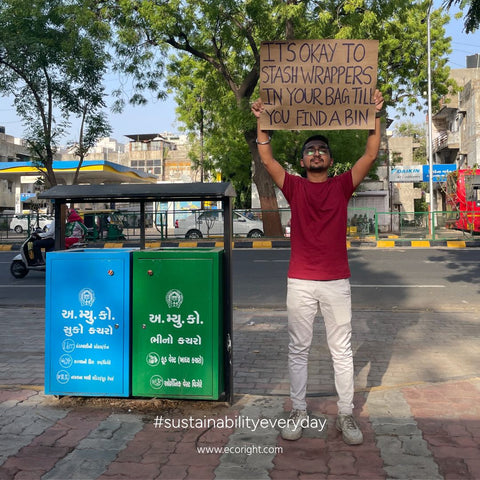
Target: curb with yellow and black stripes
275 243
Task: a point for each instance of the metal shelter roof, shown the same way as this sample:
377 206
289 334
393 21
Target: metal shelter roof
140 192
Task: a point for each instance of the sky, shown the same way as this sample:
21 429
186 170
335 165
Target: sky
159 116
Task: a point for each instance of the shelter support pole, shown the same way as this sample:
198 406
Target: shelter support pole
142 225
59 213
228 298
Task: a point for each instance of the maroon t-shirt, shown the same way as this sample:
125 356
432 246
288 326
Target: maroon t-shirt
318 226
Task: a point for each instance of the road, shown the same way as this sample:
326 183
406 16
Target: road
425 279
30 291
382 279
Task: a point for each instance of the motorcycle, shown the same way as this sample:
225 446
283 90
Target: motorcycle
24 261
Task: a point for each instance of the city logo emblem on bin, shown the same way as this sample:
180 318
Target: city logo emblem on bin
68 345
86 297
174 298
156 382
66 361
153 359
62 377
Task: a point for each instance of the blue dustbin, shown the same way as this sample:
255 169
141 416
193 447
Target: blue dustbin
87 343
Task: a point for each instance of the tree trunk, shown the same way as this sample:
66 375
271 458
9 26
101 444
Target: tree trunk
272 224
50 176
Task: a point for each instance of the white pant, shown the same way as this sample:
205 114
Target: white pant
304 297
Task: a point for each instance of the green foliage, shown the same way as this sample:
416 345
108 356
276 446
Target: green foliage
196 89
420 205
52 59
53 54
214 56
409 129
472 17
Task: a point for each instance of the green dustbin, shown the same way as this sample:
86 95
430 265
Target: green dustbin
177 311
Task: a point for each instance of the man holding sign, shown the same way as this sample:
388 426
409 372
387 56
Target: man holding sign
319 273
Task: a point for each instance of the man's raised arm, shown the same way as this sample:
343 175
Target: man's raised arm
365 162
276 171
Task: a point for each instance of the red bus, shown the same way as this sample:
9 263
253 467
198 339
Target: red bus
463 200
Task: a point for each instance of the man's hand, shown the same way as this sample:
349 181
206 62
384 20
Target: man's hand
378 98
257 108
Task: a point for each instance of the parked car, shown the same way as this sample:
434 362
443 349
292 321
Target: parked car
208 223
21 223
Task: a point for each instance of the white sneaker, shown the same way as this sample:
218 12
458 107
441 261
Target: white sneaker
296 422
351 433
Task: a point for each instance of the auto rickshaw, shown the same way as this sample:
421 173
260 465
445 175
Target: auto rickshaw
103 224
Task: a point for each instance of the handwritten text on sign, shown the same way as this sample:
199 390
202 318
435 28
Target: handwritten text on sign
318 84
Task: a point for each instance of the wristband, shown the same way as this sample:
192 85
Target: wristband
264 143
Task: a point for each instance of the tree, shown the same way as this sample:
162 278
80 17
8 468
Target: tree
224 39
472 17
52 60
222 35
197 89
93 125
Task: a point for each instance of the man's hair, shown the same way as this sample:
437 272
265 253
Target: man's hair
319 138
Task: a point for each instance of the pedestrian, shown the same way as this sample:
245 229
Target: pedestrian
318 274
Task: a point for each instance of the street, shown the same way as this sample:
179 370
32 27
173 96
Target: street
386 279
29 291
382 279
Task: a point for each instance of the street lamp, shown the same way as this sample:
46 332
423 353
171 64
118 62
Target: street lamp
430 132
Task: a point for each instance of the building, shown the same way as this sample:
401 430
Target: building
164 155
456 136
20 180
403 195
372 195
148 152
23 177
106 149
12 149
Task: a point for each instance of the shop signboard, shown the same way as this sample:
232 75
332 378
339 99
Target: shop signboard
420 173
440 172
410 173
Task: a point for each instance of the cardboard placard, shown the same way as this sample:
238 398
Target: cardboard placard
318 84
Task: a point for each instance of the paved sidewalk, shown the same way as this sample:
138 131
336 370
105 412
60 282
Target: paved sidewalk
417 401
